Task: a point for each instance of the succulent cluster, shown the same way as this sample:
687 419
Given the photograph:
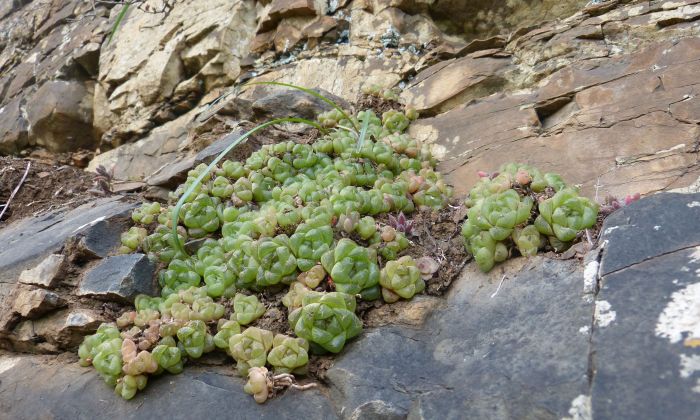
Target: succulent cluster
521 208
302 217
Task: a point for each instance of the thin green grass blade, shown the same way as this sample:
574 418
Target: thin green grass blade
314 94
120 17
363 134
176 213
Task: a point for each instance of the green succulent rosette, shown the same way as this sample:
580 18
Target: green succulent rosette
250 348
309 243
288 354
247 308
564 215
128 385
225 330
201 216
326 319
146 214
402 277
193 338
528 240
179 275
88 348
353 268
168 358
131 240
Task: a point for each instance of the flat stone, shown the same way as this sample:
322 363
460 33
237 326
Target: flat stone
293 103
69 391
120 278
101 238
45 274
643 363
476 357
27 242
32 303
456 82
66 329
660 219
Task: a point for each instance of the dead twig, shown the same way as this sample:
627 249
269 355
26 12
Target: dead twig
21 181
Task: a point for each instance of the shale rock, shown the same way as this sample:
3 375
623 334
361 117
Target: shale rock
120 278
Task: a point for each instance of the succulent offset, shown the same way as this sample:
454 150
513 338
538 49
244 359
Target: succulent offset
503 216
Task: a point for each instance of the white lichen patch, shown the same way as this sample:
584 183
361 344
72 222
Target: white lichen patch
681 316
604 315
580 408
590 277
693 204
689 365
695 256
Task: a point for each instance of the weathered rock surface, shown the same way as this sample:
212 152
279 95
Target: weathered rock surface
69 390
31 303
48 57
647 325
606 101
45 274
28 242
120 278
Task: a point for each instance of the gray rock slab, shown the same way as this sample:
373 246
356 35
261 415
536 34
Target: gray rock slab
27 242
120 278
646 336
642 365
68 391
517 351
653 226
102 238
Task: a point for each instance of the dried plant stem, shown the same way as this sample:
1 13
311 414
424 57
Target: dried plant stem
21 181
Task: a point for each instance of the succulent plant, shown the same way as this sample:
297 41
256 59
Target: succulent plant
132 239
225 330
528 240
257 384
146 214
309 243
294 297
564 215
402 277
288 354
313 277
200 216
319 193
250 348
128 385
169 358
353 268
326 319
179 275
247 308
89 347
134 362
193 337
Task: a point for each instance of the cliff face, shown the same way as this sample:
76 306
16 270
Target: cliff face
600 91
603 92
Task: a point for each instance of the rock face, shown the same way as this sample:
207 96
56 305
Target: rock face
120 278
614 336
